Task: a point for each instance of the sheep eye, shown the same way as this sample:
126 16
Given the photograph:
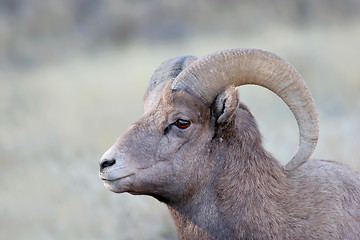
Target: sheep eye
182 124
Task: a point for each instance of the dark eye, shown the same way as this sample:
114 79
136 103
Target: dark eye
182 124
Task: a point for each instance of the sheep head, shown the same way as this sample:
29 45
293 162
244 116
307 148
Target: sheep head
158 150
152 153
186 102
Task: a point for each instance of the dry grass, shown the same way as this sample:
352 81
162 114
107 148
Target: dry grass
57 120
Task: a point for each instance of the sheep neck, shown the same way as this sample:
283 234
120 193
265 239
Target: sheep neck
199 219
241 204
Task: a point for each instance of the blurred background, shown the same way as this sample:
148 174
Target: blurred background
72 78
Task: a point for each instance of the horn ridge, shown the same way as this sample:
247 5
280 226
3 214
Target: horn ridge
210 75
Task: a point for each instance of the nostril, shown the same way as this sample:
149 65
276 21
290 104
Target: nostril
107 163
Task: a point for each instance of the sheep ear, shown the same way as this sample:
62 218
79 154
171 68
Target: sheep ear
225 105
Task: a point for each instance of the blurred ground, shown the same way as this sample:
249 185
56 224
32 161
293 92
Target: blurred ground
65 96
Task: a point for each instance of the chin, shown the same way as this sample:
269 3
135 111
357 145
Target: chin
116 186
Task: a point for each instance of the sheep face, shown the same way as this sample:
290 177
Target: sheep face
168 146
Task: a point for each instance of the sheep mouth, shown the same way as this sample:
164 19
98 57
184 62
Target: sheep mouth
118 184
115 179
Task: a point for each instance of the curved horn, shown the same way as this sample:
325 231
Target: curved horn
209 76
169 69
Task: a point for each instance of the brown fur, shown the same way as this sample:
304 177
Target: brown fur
220 183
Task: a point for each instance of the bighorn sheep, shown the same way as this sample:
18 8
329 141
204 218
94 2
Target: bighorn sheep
198 149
